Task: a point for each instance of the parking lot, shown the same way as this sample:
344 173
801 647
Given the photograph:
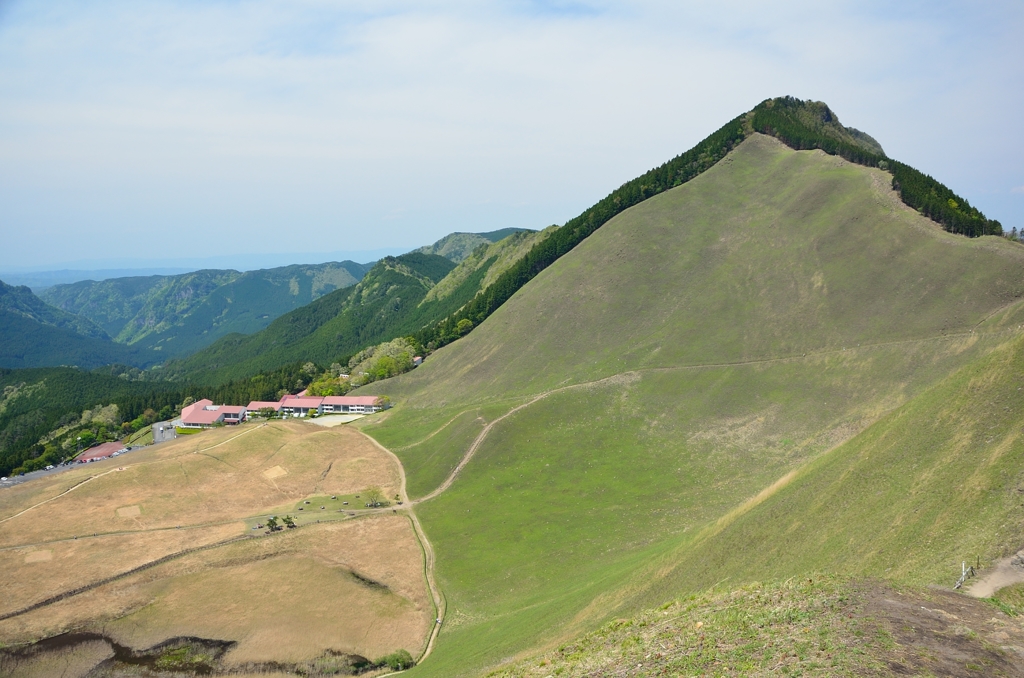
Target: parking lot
162 432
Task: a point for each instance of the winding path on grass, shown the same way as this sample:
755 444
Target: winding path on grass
1007 572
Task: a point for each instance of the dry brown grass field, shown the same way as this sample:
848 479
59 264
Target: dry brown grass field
352 583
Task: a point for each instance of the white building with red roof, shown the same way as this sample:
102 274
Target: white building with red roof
300 406
257 405
203 414
350 405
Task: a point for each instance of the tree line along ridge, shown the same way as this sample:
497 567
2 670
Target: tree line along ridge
801 125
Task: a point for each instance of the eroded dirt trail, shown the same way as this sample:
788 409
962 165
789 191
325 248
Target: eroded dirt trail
1006 572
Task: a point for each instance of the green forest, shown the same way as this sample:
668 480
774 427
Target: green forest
786 119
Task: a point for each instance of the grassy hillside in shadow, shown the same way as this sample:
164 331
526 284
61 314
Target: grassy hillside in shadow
697 348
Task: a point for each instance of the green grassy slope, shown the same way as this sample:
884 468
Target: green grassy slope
771 253
457 246
177 315
937 482
736 329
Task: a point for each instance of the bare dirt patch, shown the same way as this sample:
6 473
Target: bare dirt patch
1007 572
129 511
38 556
275 472
943 633
332 420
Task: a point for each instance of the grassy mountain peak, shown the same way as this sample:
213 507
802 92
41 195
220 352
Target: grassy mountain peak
817 117
672 377
458 246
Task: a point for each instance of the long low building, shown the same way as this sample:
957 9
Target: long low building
204 414
350 405
302 406
257 405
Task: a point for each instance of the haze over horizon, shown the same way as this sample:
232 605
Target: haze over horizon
147 132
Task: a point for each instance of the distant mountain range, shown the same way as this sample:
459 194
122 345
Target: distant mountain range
33 333
399 296
146 320
180 314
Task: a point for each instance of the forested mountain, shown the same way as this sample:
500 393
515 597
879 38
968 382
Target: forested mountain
177 315
399 296
337 324
458 246
35 334
22 302
27 343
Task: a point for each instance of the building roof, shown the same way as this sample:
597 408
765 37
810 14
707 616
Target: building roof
296 401
231 409
197 406
351 400
202 416
100 451
263 404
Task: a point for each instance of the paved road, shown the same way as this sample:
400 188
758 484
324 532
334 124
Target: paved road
17 480
162 432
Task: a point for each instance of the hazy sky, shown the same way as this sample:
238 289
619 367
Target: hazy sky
134 132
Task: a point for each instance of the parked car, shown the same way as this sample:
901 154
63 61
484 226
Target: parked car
50 467
4 478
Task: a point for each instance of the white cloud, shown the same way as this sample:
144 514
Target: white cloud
396 122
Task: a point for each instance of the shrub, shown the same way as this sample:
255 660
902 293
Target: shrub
396 661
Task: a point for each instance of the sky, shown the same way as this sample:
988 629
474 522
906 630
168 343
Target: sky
140 133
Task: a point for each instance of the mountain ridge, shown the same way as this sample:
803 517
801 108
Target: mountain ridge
176 315
459 245
744 323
